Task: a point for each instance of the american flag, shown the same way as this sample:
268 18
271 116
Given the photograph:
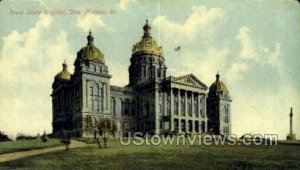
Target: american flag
177 48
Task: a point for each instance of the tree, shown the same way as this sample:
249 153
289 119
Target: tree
105 128
44 137
4 137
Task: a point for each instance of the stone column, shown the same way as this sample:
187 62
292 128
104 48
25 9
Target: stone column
108 96
164 103
104 96
85 93
185 102
157 115
179 104
204 112
199 113
172 111
199 105
193 126
291 121
192 103
179 126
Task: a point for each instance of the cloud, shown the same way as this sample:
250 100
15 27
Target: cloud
124 4
89 22
274 58
29 61
259 113
204 64
200 19
258 51
235 71
244 37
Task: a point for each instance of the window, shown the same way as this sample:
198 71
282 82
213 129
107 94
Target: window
189 106
176 105
122 107
176 125
190 125
92 104
126 126
183 125
182 106
97 90
113 106
149 72
96 105
158 73
226 119
168 104
147 109
91 90
202 126
197 126
133 108
144 71
196 106
126 107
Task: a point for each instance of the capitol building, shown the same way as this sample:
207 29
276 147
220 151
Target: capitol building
151 102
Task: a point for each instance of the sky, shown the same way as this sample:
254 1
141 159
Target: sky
253 44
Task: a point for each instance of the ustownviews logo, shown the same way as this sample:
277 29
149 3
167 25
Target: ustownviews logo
139 139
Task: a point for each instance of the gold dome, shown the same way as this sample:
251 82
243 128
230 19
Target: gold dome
218 86
64 74
147 45
90 52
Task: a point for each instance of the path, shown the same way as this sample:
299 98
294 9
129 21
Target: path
17 155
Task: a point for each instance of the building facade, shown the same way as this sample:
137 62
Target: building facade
151 102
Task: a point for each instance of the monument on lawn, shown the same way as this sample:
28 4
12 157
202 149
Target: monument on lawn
291 136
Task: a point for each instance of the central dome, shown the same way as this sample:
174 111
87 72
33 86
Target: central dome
64 74
218 86
147 45
90 52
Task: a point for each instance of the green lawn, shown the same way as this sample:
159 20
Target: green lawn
165 157
25 145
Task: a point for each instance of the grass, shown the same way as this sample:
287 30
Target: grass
25 145
164 157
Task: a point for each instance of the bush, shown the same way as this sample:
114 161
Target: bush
25 137
4 137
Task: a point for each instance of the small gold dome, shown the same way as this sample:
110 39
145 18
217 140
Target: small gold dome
90 52
218 86
147 45
64 74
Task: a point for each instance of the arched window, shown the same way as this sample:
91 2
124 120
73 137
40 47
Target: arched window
97 105
158 72
144 71
126 107
133 107
147 109
122 107
149 72
226 119
92 90
100 105
93 68
97 89
113 106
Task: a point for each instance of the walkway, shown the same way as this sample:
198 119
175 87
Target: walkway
17 155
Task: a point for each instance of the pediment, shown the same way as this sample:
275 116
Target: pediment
190 80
